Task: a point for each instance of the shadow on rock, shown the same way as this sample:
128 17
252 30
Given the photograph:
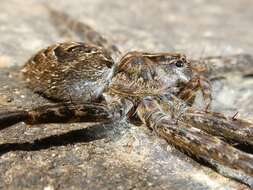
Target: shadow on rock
89 134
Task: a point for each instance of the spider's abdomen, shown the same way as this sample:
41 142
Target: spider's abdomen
69 71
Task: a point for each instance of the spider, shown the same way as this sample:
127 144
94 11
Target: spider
92 81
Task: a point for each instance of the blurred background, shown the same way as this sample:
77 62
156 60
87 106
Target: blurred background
196 27
116 157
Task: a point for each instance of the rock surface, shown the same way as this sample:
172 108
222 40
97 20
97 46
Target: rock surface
86 156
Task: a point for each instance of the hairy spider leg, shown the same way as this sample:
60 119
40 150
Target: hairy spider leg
233 131
189 90
69 112
60 113
230 130
198 143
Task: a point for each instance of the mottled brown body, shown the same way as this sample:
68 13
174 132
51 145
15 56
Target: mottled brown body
157 89
71 70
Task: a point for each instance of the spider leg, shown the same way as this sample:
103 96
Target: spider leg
60 113
226 159
189 90
67 25
218 66
229 129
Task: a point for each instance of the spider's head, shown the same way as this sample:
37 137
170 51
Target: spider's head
148 73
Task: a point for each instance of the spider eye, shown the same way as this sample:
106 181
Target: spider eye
179 63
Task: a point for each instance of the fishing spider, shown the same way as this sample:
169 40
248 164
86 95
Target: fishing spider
92 82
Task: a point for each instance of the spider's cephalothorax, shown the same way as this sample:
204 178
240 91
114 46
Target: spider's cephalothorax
142 74
157 89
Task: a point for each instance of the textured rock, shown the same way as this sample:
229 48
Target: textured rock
85 156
